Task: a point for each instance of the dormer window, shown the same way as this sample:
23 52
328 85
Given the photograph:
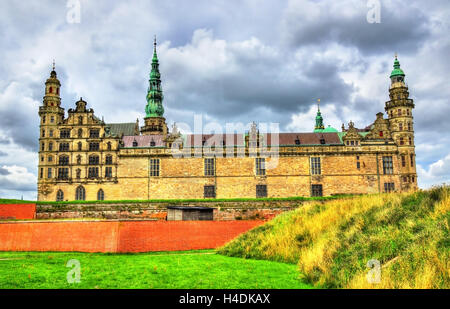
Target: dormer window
152 144
297 141
381 133
322 141
135 143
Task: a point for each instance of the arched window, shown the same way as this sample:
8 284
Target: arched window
60 196
57 90
100 195
109 146
80 131
80 194
80 146
50 90
78 173
80 120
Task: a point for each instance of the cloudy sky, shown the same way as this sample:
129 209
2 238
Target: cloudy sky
231 61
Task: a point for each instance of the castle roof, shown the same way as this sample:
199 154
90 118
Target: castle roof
143 140
121 128
288 139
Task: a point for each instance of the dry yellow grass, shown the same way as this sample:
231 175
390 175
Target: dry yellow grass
333 241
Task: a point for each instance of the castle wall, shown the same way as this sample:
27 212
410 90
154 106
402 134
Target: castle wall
183 178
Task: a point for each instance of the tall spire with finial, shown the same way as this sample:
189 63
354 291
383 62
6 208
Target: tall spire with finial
155 95
319 119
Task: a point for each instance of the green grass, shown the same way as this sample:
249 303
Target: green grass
9 201
332 242
179 201
163 270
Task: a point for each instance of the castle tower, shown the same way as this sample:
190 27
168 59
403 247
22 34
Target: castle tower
155 123
319 127
399 110
51 115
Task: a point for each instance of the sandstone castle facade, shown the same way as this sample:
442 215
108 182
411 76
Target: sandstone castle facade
83 158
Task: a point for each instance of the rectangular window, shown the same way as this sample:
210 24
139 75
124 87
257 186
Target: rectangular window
388 167
52 119
64 160
94 160
43 133
411 158
261 191
43 146
64 133
94 133
50 159
210 191
49 173
50 147
63 173
316 190
358 165
108 172
316 166
64 147
209 167
154 167
109 160
42 173
94 146
93 172
403 161
260 166
389 187
51 133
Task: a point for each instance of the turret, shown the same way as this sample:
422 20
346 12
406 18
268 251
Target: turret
51 115
399 109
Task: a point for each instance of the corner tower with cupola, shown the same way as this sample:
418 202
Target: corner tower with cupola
155 123
51 114
399 109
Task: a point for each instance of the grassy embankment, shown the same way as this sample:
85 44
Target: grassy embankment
332 243
174 270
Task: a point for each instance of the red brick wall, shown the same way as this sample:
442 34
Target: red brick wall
19 212
141 236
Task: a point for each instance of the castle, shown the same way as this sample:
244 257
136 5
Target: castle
83 158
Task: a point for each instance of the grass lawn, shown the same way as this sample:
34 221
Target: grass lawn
163 270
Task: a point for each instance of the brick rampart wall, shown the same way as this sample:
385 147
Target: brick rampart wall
19 212
115 236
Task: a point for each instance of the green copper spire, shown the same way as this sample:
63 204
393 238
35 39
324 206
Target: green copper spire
155 95
319 119
397 71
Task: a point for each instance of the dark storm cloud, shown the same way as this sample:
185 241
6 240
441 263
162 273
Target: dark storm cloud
402 28
4 171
